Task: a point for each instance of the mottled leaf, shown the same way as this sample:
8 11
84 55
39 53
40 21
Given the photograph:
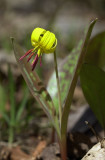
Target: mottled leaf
96 51
74 81
93 85
34 83
66 69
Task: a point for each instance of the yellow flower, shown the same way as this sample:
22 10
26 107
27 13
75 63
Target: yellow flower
43 42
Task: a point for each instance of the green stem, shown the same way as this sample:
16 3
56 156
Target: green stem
11 135
58 86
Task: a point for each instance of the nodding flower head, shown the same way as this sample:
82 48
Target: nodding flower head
43 42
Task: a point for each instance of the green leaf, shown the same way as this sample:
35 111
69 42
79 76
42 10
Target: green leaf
11 96
3 98
6 117
96 51
22 106
93 85
74 81
66 70
35 85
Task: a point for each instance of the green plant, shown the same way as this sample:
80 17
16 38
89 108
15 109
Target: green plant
92 77
13 116
56 110
3 98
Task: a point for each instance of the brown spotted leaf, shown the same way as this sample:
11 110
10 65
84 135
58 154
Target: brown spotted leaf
66 70
35 85
73 82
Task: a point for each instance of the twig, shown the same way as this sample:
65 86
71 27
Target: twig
93 130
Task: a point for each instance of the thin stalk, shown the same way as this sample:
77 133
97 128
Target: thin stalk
12 102
11 135
58 86
93 130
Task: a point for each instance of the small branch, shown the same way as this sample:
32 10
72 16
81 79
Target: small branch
93 130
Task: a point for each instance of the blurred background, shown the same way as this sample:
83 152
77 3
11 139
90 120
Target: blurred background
68 20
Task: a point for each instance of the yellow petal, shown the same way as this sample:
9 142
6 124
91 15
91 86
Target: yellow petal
45 40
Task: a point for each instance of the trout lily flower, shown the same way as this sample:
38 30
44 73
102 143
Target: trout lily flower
43 42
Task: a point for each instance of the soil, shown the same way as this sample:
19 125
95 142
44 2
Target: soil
78 145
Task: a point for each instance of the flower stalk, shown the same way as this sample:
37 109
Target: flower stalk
58 86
